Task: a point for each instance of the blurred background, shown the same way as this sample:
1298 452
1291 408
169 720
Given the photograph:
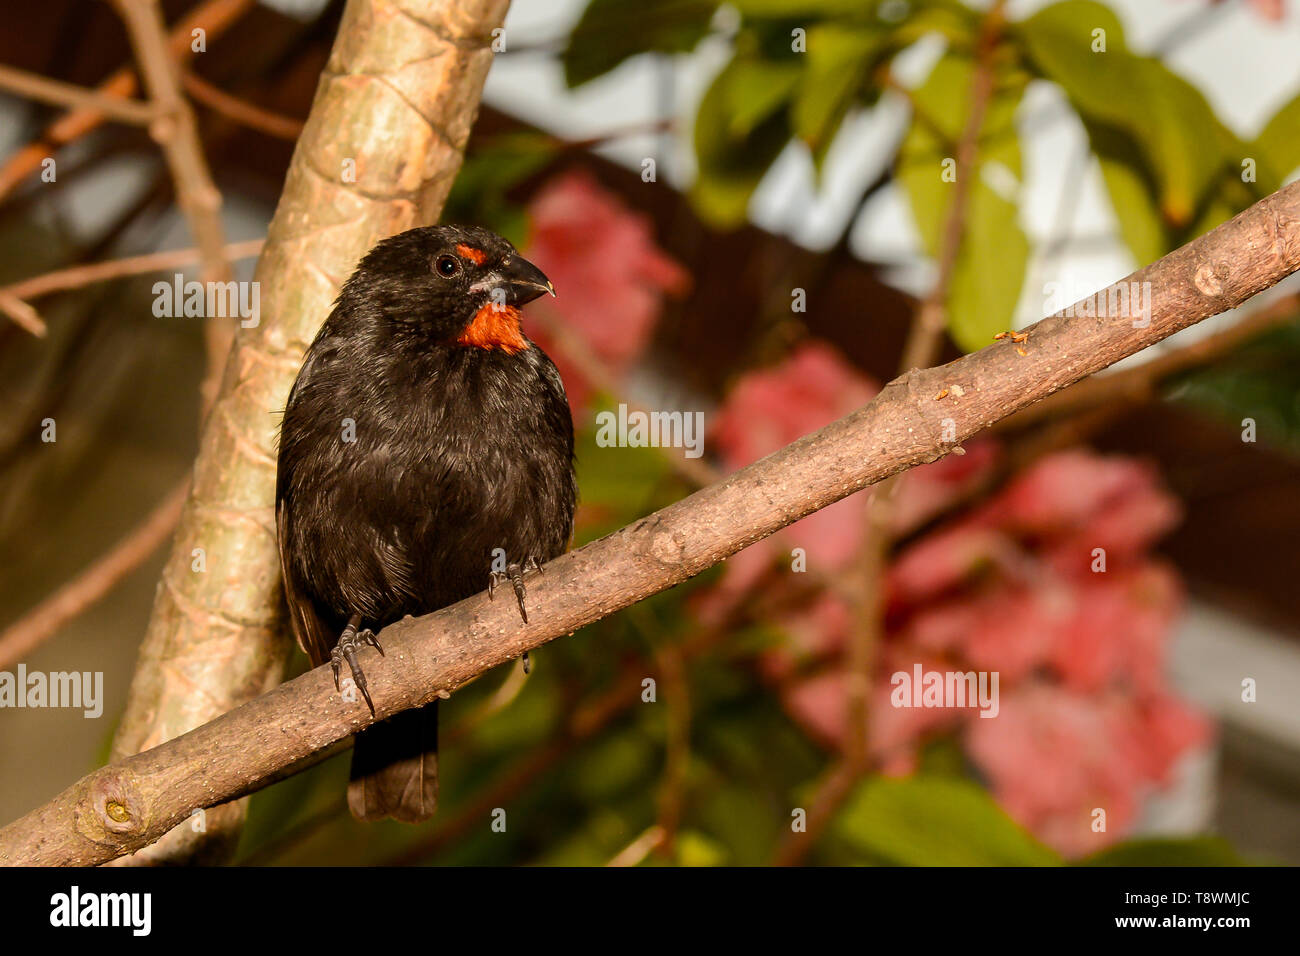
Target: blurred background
744 208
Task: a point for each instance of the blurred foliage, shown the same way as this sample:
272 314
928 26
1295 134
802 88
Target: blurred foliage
610 31
1197 851
482 188
1260 381
798 68
936 821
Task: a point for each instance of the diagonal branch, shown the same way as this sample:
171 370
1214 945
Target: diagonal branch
132 802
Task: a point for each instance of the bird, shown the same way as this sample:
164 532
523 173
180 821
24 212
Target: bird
425 453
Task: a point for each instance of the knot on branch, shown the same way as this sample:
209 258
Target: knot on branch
1210 277
668 547
116 806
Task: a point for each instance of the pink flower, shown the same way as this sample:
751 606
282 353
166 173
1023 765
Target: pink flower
770 408
1052 758
609 274
951 557
1274 10
1116 629
929 490
1063 493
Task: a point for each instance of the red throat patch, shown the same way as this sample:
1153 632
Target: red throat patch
495 327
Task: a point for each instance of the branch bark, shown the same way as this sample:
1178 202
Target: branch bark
395 105
134 801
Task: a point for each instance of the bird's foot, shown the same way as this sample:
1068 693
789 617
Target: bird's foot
351 641
514 573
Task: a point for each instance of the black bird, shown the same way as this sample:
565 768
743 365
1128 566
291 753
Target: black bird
426 452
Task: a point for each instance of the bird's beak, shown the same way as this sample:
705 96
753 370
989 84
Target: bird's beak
523 281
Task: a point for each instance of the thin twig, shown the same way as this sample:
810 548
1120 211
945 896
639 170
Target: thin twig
922 347
22 314
176 131
650 841
677 746
75 277
76 596
241 111
33 86
213 16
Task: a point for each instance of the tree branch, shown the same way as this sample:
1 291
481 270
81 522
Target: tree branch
213 16
36 87
132 802
75 596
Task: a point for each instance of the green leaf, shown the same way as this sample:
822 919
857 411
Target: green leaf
839 61
797 8
1169 118
613 765
611 31
698 849
1132 188
1194 851
1228 197
755 90
1278 146
732 160
950 19
617 483
936 821
990 268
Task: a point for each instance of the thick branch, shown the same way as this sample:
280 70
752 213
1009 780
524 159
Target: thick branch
126 805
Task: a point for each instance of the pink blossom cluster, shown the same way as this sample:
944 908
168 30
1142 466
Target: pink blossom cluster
1012 584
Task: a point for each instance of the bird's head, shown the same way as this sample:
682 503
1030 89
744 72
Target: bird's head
452 284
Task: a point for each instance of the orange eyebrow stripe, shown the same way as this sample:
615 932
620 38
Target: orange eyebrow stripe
476 256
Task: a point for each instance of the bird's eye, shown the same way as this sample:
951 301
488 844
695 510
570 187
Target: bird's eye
447 266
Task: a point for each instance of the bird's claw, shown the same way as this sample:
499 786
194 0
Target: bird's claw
351 641
514 573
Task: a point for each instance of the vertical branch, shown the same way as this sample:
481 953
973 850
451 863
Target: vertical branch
921 349
677 747
176 131
381 146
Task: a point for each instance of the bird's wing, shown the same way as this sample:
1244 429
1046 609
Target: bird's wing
314 637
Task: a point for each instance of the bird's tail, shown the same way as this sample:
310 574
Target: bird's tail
395 768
